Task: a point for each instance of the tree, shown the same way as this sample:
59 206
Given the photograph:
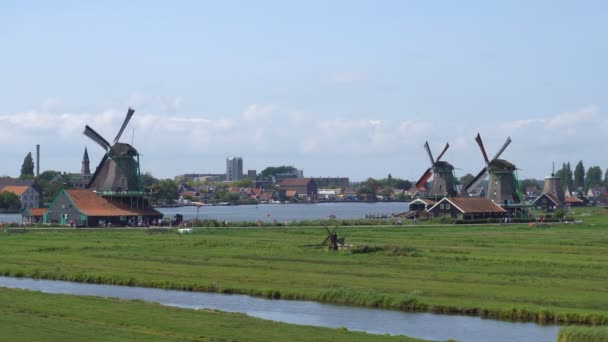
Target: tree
51 183
594 177
466 179
27 168
166 190
528 182
579 175
272 171
9 200
148 180
403 184
243 183
368 189
387 192
565 175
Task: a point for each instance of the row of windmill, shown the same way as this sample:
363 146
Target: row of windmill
503 187
119 171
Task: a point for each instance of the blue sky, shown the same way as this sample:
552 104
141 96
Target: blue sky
340 88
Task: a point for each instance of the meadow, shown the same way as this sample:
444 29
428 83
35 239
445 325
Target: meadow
38 316
557 273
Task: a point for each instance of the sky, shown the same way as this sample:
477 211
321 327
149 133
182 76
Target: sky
336 88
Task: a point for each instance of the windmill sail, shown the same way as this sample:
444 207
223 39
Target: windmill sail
442 173
119 168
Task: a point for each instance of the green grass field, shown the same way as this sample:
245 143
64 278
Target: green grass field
34 316
558 273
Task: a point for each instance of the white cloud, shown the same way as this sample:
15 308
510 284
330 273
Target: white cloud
172 143
259 112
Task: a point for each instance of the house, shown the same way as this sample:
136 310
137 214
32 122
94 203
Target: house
291 195
467 208
596 191
305 187
83 207
329 194
33 215
602 199
546 201
421 204
574 201
27 190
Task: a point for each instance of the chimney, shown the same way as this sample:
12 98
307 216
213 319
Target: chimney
37 160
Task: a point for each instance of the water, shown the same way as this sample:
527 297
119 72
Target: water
287 212
271 212
8 218
375 321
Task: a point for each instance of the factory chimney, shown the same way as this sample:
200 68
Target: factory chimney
37 160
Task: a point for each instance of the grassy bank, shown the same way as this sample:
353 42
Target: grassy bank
583 334
557 273
34 316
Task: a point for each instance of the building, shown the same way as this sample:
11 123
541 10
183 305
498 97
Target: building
33 215
421 204
596 191
332 182
83 207
27 190
234 169
305 187
202 177
81 180
547 201
466 208
329 194
252 175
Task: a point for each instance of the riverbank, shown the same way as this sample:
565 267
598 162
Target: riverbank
555 274
38 316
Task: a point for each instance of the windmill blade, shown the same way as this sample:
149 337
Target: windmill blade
325 241
447 145
425 177
124 123
428 151
503 148
475 182
89 132
483 150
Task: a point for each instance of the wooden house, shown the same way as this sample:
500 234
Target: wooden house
467 208
83 207
547 201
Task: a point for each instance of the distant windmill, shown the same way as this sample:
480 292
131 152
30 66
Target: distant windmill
444 183
503 187
119 167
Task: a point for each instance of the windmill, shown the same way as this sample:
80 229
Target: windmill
332 238
503 187
119 167
443 182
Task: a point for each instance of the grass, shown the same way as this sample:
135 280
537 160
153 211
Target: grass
583 334
35 316
556 274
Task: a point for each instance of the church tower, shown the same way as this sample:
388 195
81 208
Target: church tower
85 171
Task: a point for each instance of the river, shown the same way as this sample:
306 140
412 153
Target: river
271 212
375 321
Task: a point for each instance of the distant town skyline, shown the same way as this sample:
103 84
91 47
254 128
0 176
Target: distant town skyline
345 88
